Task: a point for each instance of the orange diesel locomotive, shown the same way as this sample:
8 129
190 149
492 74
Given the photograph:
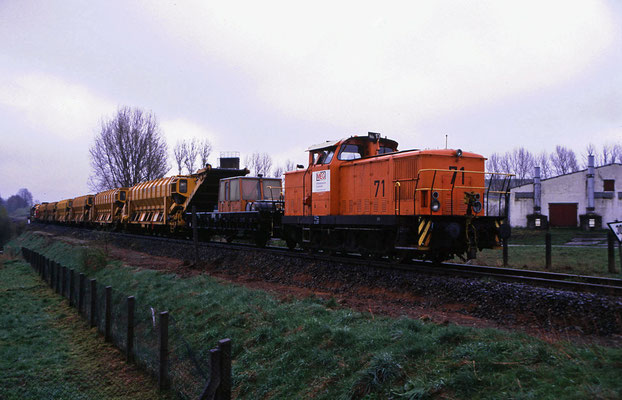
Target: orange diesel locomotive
363 195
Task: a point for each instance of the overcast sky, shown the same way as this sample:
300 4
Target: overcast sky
277 77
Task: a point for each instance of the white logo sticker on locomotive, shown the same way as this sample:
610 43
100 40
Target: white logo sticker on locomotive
321 181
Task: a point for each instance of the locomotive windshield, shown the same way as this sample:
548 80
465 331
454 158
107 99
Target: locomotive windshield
323 156
271 189
350 152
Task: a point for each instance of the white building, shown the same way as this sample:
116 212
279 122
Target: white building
570 200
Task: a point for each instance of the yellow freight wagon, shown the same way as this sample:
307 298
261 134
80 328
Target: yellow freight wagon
108 206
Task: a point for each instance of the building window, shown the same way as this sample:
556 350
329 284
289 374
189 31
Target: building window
609 185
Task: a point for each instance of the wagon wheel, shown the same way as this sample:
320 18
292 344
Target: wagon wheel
261 238
291 243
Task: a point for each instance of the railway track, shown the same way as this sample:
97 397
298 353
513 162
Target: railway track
578 283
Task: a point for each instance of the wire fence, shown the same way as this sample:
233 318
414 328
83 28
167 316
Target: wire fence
148 336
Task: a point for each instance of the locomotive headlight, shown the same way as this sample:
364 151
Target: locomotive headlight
435 195
435 205
477 207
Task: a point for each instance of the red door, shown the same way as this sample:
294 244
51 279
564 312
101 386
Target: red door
563 214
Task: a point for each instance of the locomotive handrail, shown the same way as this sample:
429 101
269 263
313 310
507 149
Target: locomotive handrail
504 191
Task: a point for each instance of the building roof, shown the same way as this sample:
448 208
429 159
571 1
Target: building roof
569 173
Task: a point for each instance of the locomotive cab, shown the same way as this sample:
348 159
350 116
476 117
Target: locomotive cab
179 190
249 194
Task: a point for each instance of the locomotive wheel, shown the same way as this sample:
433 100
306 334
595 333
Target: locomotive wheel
291 243
261 238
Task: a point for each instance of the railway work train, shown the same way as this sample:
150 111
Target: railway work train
356 195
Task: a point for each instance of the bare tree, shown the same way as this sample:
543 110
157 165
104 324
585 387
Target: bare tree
26 195
606 154
191 152
590 150
259 163
542 160
128 149
616 153
493 164
278 171
178 152
522 162
290 166
563 160
205 149
15 202
506 164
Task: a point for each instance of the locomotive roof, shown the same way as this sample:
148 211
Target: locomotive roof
326 144
331 143
249 177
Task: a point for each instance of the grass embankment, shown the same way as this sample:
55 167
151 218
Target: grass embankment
47 352
527 251
312 348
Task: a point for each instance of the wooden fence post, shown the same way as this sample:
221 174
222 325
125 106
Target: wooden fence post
81 292
45 270
163 370
63 290
58 282
547 242
195 235
224 389
72 286
108 313
52 278
611 258
93 301
42 267
130 329
211 389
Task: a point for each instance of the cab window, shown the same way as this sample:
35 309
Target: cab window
324 156
183 186
227 190
221 191
271 189
235 190
250 189
122 195
350 152
385 150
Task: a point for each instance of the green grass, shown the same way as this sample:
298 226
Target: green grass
312 348
47 352
527 251
522 236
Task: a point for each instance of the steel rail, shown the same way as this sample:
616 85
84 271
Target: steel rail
580 283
